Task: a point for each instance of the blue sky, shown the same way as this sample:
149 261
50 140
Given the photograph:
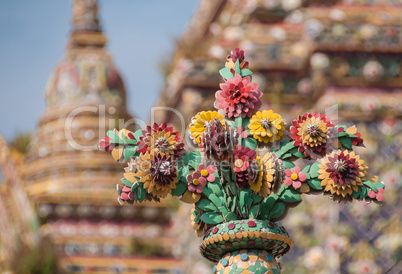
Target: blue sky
33 36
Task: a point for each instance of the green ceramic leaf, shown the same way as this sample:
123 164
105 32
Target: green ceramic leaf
223 210
228 175
141 193
215 199
194 159
246 72
237 67
305 170
245 198
183 172
314 170
250 142
290 196
315 184
207 191
225 73
126 182
277 211
115 138
364 192
129 152
256 198
138 133
233 205
205 205
346 142
215 188
211 218
342 134
245 122
285 146
370 185
356 194
288 164
352 135
254 211
379 185
230 216
130 141
238 121
267 205
282 189
299 155
135 186
286 155
179 190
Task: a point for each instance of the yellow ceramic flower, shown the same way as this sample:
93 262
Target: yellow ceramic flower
271 175
198 122
256 184
157 173
267 126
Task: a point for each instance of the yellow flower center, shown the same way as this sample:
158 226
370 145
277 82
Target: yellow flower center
196 182
238 163
294 176
204 172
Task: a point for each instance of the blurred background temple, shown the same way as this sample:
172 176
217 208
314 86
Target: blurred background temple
71 183
343 58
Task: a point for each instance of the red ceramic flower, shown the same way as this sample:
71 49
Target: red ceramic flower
312 133
238 97
242 158
161 139
294 178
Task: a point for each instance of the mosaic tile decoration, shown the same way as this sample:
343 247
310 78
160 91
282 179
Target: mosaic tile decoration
245 234
247 262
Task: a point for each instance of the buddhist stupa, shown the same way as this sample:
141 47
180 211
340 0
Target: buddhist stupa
71 182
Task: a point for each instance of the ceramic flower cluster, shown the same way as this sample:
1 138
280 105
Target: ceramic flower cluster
244 167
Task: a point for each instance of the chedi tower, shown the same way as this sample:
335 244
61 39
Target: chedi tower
71 182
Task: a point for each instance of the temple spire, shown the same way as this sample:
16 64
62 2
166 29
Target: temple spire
86 29
85 15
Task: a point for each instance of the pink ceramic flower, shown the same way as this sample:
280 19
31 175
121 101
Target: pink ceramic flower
294 178
200 177
238 97
379 196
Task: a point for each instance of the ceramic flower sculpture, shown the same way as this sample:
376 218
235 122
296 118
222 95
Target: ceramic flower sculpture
243 179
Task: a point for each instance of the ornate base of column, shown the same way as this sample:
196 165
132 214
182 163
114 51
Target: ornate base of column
247 261
246 246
